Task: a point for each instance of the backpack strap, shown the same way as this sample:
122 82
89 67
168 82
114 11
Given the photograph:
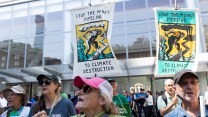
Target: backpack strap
164 97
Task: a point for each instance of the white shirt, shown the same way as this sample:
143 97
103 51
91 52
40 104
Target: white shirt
150 100
3 102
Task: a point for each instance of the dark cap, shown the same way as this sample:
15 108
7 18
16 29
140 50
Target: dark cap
52 77
111 80
177 77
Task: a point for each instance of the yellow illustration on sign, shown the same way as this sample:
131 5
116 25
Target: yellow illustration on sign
178 44
92 39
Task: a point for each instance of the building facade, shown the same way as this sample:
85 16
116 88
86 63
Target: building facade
36 37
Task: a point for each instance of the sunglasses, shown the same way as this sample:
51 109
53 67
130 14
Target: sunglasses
46 82
86 89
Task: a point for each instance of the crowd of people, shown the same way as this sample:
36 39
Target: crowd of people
97 97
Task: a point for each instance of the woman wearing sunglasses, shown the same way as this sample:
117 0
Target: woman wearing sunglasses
51 104
95 98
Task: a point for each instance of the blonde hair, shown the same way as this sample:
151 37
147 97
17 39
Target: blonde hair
109 107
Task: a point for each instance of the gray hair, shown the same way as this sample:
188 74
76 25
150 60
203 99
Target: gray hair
168 81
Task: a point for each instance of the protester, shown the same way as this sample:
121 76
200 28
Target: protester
64 95
16 98
34 99
128 97
120 100
170 102
149 100
3 101
51 104
74 99
140 101
187 89
133 106
95 97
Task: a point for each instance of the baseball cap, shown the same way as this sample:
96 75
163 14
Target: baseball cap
97 83
16 89
111 80
177 77
52 77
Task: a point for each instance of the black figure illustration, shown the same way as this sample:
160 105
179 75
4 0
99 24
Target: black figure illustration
91 37
188 38
173 40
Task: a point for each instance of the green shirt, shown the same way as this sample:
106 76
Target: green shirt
121 102
16 112
64 95
99 115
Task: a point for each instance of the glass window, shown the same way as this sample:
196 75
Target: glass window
119 6
73 4
136 28
3 58
205 25
16 57
34 51
153 43
138 42
3 65
17 48
203 6
118 44
152 26
4 51
37 20
19 27
134 8
53 55
20 6
5 28
55 8
180 3
5 9
158 3
135 4
118 29
118 41
16 63
138 45
37 3
37 24
54 38
54 21
37 10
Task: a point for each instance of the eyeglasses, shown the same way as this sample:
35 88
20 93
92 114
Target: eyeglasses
86 89
46 82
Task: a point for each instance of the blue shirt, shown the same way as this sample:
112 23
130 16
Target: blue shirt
64 108
129 99
138 95
180 112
